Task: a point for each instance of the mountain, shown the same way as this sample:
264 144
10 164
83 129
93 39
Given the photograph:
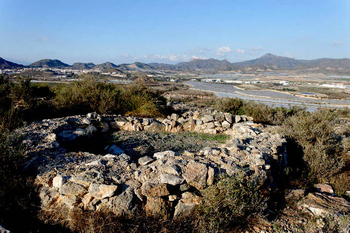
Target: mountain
4 64
83 66
106 66
273 60
202 64
48 63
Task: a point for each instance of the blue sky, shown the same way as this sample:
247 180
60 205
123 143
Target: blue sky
171 31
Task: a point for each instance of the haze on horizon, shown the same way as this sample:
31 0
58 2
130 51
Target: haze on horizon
172 31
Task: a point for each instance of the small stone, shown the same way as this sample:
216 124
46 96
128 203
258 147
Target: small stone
173 169
101 191
199 122
145 160
228 118
58 181
50 137
173 197
92 115
161 155
174 117
226 124
86 121
171 179
324 188
238 118
211 174
114 150
150 189
91 129
208 118
74 189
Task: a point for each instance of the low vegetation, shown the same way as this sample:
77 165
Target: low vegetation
260 112
230 203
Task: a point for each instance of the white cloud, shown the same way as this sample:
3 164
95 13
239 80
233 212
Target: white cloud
222 51
336 43
240 51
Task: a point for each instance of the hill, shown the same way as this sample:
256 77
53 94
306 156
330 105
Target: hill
83 66
106 66
49 63
271 59
4 64
203 64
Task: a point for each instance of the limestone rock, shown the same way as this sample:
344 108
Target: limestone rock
150 189
229 118
196 174
58 181
171 179
122 204
161 155
322 205
101 191
113 149
72 189
145 160
208 118
324 188
157 207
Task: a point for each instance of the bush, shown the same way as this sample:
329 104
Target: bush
322 148
86 95
141 101
231 105
230 203
92 93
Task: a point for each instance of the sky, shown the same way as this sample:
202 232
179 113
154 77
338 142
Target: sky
172 31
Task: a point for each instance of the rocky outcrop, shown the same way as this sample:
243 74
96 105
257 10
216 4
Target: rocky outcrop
164 184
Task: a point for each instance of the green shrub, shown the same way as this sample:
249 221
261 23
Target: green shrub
230 203
21 92
88 94
231 105
138 100
93 93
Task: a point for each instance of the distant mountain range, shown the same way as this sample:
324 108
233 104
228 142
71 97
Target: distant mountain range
268 62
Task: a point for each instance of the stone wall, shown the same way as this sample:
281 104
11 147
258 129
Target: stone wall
164 184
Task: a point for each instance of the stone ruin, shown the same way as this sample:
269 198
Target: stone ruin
166 184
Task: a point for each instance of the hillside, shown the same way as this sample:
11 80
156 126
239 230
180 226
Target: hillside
49 63
83 66
200 64
270 59
4 64
106 66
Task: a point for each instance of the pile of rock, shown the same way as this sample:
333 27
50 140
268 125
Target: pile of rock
164 184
